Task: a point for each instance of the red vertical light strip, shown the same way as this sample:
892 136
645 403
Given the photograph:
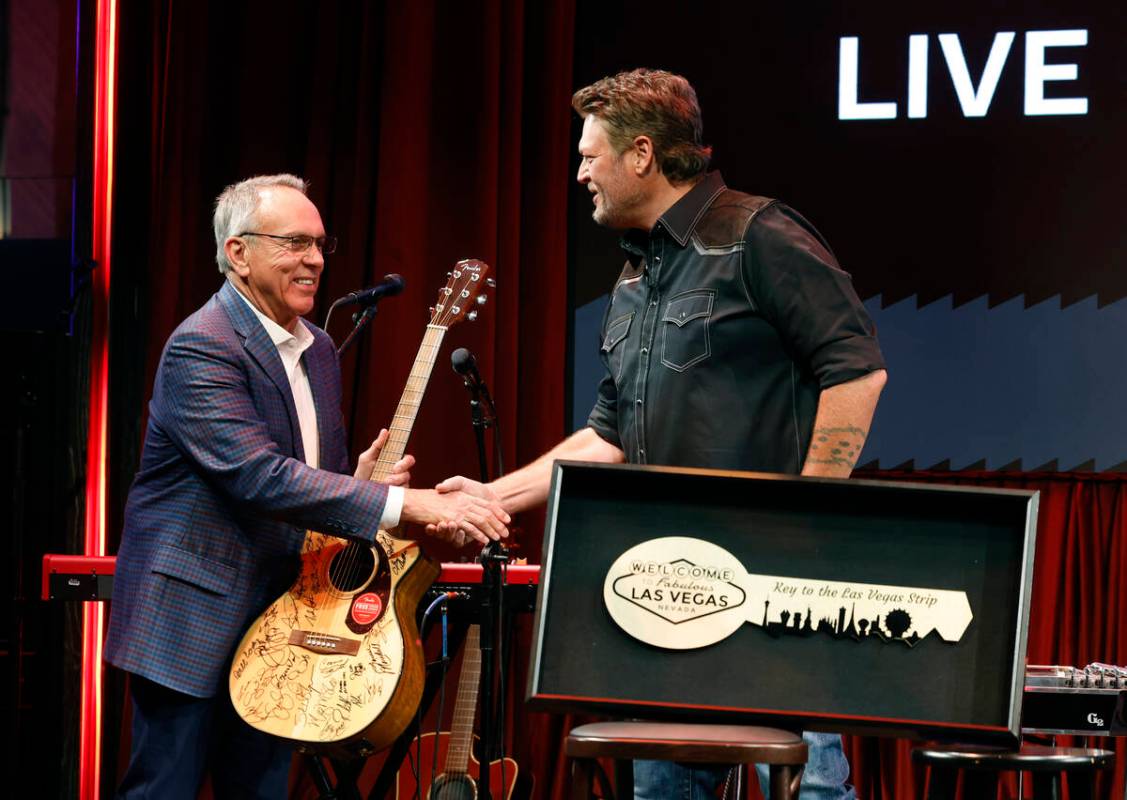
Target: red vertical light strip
93 617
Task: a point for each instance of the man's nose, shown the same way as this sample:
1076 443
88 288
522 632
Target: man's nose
584 173
313 256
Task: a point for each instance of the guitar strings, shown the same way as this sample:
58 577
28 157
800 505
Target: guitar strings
353 559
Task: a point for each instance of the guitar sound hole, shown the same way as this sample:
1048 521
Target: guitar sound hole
453 787
352 567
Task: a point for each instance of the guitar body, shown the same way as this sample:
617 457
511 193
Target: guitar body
334 663
452 786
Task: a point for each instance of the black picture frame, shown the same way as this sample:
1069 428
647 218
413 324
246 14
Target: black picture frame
977 540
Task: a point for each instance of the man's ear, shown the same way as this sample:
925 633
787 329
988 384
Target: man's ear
235 248
643 156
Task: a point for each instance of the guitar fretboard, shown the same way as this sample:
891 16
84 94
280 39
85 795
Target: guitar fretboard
399 431
465 707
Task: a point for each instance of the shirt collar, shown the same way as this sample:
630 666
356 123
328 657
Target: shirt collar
301 338
681 218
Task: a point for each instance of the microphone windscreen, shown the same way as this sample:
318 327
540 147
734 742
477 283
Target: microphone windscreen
462 360
394 283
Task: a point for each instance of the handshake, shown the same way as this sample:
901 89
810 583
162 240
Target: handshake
457 510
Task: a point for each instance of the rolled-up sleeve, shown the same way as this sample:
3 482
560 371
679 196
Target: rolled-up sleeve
796 282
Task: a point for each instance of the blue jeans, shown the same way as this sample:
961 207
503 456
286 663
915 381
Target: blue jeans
823 779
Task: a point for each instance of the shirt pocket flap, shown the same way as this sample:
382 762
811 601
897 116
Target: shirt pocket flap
212 576
616 331
686 307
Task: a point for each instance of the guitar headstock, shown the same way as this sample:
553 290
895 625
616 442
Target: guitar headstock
466 289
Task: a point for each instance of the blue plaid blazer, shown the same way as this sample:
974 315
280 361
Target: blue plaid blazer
217 513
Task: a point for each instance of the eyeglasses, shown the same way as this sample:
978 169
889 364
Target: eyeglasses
301 244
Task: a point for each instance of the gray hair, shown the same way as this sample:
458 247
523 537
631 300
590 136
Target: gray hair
236 206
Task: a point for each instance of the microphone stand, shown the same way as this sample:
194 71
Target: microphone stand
493 555
390 286
480 423
360 321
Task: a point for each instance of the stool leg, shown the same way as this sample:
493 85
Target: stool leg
980 783
783 781
581 772
941 783
624 780
1046 786
1080 785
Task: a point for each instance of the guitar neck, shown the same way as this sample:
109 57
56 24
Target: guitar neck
465 707
405 413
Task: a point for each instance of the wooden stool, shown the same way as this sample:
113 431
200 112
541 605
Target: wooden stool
982 765
785 752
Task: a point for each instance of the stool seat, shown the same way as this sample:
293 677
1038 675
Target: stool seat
1030 758
982 765
783 751
698 744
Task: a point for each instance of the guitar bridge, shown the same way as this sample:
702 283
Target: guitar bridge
325 643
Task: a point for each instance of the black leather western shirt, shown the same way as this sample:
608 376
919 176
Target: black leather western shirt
728 320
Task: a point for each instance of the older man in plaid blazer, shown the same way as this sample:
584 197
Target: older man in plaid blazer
245 450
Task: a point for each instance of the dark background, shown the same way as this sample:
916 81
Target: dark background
1000 205
990 251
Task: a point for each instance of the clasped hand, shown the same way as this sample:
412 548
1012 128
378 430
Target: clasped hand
449 512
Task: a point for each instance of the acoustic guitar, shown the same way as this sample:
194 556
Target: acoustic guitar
334 664
448 756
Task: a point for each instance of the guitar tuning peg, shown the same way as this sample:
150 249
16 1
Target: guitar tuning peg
481 299
431 311
472 315
450 274
492 284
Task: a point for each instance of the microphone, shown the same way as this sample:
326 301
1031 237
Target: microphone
483 414
390 286
465 365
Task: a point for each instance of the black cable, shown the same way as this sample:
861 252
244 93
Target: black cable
443 601
418 750
329 315
501 666
411 758
441 706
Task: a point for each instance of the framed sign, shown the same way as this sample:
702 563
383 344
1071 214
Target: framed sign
822 604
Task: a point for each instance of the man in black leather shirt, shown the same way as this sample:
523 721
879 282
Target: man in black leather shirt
732 340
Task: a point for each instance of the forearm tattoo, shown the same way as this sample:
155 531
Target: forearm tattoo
838 446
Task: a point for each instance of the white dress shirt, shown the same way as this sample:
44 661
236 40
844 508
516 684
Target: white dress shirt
291 346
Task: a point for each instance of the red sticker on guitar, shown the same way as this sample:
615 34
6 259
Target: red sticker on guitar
366 608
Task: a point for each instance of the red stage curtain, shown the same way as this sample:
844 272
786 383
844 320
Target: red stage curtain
430 131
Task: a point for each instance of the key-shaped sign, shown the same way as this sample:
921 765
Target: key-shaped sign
680 593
